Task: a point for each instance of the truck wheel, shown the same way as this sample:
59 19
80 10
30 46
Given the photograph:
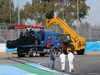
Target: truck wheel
70 47
21 55
42 54
32 53
81 52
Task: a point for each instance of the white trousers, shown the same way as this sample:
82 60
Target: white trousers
70 66
63 65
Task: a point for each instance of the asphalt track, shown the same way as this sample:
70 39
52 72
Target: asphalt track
83 65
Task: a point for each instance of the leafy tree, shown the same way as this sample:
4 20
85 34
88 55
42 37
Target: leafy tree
27 11
69 11
5 10
39 10
64 9
15 15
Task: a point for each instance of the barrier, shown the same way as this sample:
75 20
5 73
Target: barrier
11 50
90 46
2 47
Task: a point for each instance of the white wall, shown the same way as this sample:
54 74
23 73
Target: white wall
2 47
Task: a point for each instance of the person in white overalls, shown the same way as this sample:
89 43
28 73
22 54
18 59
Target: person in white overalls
71 58
63 58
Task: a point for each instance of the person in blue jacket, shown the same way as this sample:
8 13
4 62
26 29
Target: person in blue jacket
52 58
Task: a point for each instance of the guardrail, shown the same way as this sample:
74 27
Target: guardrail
90 46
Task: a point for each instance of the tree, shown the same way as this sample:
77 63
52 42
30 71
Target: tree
69 10
64 9
15 15
5 10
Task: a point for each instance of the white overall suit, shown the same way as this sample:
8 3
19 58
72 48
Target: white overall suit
63 58
70 60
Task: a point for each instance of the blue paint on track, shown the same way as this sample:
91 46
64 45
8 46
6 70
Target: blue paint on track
45 68
10 70
6 69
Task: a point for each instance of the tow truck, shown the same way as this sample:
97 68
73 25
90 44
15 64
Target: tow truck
50 39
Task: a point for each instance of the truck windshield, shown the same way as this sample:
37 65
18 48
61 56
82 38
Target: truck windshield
56 37
65 38
51 37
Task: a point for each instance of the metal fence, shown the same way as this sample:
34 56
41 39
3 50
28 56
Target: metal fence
91 33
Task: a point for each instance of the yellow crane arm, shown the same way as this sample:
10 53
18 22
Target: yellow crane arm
63 25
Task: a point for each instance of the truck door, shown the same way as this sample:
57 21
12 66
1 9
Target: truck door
56 40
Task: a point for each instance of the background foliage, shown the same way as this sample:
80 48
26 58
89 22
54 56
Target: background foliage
39 10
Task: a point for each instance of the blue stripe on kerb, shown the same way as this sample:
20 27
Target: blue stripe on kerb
10 70
11 50
45 68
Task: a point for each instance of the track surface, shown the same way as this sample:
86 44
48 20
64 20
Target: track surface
88 64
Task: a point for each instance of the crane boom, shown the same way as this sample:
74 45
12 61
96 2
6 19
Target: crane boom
63 25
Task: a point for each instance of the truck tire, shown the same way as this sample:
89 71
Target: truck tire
42 54
32 53
21 55
81 52
70 47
